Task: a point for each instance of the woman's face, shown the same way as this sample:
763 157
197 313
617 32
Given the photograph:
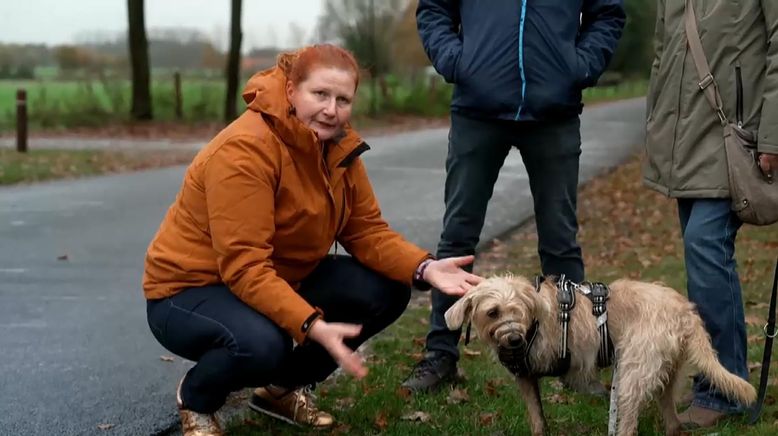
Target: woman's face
323 101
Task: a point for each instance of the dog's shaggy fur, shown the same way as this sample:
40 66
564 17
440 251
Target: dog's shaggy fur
655 332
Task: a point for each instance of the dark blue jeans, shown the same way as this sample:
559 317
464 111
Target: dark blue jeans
709 229
236 347
476 152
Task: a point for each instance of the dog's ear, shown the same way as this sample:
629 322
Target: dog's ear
459 312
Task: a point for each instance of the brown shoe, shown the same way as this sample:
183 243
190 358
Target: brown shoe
699 417
294 407
196 424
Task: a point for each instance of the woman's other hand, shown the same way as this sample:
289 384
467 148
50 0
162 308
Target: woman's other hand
448 276
768 163
331 336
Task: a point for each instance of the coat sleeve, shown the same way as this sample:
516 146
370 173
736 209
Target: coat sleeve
602 23
438 24
768 125
240 179
659 37
370 240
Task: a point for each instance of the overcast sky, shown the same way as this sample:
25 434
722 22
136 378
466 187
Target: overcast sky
265 22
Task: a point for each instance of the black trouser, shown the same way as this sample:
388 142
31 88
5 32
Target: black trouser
476 152
237 347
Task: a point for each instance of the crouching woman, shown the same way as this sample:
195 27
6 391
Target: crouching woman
238 277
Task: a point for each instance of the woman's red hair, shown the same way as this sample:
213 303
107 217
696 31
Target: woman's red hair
298 65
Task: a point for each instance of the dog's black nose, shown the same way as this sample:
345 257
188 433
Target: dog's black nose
515 340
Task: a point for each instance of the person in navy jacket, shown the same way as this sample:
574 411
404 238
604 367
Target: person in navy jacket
518 69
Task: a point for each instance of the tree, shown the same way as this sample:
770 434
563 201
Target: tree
635 51
139 62
367 28
233 62
407 50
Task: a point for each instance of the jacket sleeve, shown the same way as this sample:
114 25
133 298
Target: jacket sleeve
240 179
768 125
370 240
659 37
438 24
602 23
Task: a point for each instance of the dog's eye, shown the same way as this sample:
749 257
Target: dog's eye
493 312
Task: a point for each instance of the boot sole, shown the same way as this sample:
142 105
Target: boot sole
260 409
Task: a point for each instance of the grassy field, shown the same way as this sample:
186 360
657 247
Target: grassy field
626 230
61 104
40 165
58 104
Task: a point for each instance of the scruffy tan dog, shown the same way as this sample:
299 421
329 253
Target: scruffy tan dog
654 329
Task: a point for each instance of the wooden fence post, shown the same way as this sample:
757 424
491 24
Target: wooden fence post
21 121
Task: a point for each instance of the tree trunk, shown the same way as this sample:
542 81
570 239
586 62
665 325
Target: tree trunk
233 62
139 61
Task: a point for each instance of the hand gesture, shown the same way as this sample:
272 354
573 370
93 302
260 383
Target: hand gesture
331 336
448 276
768 163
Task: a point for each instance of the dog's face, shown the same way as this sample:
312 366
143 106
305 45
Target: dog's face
501 309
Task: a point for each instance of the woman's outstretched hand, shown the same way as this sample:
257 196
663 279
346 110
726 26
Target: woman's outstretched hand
331 336
448 276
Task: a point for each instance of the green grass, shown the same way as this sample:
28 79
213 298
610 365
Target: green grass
40 165
626 230
61 104
629 89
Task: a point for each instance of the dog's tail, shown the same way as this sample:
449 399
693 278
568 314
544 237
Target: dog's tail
702 355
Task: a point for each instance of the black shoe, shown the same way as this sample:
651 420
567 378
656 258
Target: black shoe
432 372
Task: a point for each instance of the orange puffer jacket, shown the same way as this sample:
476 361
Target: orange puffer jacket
260 207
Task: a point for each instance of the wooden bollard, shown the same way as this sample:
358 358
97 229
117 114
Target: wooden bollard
177 93
21 121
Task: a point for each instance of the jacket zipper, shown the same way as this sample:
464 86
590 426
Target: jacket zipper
739 84
521 59
340 223
361 148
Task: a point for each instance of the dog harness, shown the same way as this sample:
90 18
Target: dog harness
516 360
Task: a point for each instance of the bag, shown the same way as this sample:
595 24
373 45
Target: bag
754 195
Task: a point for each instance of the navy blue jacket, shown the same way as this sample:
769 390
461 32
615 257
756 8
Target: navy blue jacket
520 59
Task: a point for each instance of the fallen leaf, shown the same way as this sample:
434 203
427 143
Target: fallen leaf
105 426
487 418
757 305
457 396
754 320
556 385
404 393
419 341
491 387
558 399
167 358
754 365
344 403
471 353
754 338
417 416
380 421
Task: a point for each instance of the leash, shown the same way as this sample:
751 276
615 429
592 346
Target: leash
768 351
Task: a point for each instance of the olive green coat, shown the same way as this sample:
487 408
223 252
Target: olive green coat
684 140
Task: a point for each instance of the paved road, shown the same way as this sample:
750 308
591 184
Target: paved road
76 352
